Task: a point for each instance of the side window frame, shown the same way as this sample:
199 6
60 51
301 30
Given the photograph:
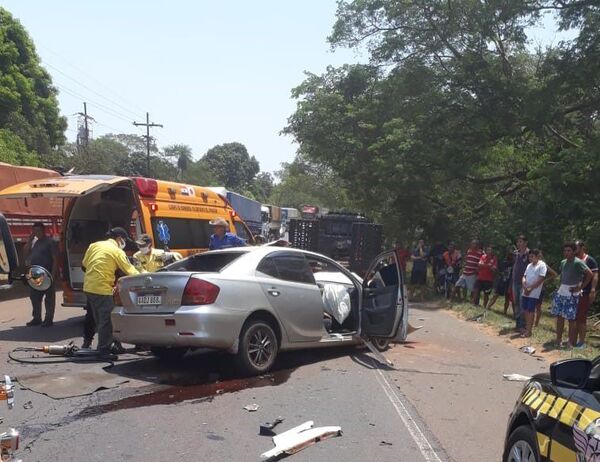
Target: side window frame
276 257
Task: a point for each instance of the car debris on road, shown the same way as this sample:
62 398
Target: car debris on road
516 377
252 407
266 429
298 438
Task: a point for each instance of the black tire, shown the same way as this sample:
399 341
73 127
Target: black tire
169 353
380 343
258 347
521 441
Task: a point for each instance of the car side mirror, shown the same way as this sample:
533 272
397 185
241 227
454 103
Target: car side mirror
570 373
8 254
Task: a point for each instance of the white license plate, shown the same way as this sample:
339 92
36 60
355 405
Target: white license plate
149 299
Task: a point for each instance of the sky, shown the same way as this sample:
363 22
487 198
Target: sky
211 72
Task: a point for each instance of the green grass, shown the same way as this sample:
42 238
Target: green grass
542 336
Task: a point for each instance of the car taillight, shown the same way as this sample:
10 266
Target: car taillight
199 292
117 295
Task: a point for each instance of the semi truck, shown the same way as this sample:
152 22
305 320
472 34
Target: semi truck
248 209
271 222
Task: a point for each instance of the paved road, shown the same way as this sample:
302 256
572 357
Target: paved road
445 401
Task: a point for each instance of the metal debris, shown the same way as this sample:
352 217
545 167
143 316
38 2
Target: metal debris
28 405
266 429
252 407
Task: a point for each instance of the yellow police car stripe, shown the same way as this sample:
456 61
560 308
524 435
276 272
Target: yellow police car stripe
547 404
560 453
529 393
543 443
557 407
570 413
531 397
587 418
539 400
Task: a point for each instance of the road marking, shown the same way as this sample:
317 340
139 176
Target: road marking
417 434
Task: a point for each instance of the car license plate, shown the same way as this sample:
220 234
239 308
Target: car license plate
149 299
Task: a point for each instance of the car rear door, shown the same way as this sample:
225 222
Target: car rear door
290 288
383 307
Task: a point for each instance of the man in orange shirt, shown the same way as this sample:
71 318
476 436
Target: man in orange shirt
488 265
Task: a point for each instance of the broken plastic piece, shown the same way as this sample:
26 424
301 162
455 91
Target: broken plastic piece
516 377
527 349
252 407
266 429
298 438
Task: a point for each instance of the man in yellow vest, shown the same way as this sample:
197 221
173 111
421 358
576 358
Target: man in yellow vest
148 259
100 263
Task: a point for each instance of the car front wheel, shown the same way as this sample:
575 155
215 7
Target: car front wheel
258 347
382 344
522 446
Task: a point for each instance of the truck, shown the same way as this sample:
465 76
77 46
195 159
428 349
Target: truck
248 209
271 222
335 233
21 214
287 214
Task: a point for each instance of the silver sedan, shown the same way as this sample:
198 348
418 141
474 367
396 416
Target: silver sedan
255 302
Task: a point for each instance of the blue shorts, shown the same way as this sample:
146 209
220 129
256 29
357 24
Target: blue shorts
565 306
528 304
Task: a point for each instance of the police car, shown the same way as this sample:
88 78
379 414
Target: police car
557 416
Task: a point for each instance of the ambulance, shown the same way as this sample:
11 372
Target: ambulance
176 215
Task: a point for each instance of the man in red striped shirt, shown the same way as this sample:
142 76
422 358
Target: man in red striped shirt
468 277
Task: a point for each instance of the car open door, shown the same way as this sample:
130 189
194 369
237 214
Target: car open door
67 186
383 307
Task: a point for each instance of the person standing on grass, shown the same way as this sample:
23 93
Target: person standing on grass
519 267
550 274
418 275
402 254
532 283
488 265
574 275
467 280
588 294
503 287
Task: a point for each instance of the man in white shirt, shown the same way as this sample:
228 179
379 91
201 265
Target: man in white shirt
533 281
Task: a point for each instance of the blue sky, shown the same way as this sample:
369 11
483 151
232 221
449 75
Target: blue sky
210 71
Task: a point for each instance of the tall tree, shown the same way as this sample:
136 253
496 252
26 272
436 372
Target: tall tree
231 165
28 103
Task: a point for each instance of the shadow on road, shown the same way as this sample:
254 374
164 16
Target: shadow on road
61 330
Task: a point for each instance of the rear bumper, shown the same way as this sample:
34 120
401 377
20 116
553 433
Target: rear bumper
207 326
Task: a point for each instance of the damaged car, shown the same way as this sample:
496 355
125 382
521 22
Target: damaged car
256 302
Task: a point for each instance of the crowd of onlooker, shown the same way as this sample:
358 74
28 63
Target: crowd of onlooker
517 277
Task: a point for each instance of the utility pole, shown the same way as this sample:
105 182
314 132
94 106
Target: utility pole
147 125
83 132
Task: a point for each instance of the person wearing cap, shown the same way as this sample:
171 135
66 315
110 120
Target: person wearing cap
149 259
100 263
221 239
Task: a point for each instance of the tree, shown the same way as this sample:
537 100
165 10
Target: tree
182 154
455 127
262 186
231 165
14 151
28 103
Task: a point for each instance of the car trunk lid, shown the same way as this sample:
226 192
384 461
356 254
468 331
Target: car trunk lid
152 293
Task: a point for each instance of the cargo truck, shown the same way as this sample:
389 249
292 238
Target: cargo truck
248 209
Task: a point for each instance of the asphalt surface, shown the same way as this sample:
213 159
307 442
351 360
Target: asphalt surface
444 400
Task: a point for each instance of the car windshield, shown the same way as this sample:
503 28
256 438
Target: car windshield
205 262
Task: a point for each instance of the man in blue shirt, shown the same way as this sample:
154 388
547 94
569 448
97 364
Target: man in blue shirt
221 239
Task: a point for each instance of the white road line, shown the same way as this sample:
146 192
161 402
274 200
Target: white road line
417 434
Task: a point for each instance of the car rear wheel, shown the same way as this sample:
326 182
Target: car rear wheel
169 353
522 446
258 347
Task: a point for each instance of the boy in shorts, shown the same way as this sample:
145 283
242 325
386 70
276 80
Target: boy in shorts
533 282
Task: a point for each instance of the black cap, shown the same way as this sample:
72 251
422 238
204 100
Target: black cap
119 232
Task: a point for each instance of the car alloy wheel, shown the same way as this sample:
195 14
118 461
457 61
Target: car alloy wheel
261 346
521 451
